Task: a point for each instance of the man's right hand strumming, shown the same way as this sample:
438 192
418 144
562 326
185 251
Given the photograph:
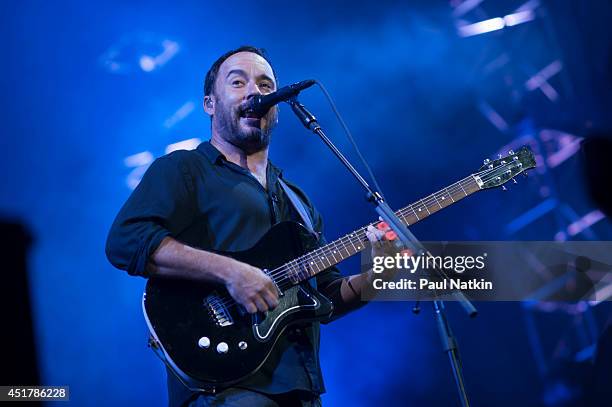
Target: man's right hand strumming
251 287
248 285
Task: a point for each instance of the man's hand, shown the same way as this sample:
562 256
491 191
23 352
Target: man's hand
384 243
382 239
248 285
251 288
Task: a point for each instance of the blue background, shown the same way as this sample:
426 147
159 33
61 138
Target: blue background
409 88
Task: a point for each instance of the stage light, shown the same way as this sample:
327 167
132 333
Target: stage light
492 116
519 18
144 52
540 80
465 7
481 27
188 144
139 159
182 112
147 63
139 162
585 222
524 14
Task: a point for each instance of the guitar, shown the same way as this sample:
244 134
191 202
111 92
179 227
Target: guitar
211 342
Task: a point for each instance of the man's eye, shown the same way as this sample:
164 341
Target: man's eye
237 82
266 85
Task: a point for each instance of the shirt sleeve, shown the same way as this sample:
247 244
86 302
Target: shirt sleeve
161 205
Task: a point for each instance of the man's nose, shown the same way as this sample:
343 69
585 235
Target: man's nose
252 90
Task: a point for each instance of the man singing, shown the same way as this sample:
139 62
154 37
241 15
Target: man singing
224 196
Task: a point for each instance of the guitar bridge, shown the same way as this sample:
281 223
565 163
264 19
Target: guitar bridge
218 310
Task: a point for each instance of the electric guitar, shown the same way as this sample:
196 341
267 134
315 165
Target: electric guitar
211 342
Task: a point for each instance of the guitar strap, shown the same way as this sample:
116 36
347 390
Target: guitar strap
304 214
299 206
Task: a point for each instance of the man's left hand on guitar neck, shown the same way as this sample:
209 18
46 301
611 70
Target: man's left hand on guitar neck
382 239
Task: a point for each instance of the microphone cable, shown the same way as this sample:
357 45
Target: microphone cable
349 135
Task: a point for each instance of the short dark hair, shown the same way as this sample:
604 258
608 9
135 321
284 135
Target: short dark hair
211 75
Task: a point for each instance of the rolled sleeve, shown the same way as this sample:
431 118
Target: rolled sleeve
161 205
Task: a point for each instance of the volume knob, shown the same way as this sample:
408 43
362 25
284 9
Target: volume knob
204 342
222 347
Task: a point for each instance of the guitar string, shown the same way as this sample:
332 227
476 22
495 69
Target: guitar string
281 271
429 200
360 234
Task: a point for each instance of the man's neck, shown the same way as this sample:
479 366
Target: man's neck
256 163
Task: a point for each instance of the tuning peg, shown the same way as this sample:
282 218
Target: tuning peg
486 161
499 156
504 188
514 181
525 174
511 152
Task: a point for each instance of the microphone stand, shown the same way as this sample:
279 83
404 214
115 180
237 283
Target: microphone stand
449 343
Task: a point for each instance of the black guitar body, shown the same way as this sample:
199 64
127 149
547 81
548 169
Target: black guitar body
211 344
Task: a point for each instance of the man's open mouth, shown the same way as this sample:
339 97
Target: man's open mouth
249 117
249 114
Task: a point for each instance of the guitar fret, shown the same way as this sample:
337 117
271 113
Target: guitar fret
315 264
324 257
401 215
332 253
438 202
298 271
449 194
426 208
353 244
359 242
345 247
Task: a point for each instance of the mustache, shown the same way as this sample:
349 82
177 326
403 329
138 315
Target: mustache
244 111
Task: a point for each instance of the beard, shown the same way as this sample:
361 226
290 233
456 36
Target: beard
250 138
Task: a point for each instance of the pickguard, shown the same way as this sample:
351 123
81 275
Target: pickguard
294 300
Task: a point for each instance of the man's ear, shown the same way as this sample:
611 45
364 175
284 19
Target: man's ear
209 105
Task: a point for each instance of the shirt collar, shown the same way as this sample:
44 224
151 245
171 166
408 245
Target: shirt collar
216 157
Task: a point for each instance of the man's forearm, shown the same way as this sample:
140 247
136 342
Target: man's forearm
352 286
249 286
175 259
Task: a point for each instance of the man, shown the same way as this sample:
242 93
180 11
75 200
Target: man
224 196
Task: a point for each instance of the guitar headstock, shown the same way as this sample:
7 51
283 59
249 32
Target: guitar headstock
495 173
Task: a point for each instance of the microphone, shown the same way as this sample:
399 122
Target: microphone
260 104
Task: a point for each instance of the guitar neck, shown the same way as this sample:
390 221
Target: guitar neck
310 264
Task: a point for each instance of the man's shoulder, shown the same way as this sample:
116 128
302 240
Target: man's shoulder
183 156
184 159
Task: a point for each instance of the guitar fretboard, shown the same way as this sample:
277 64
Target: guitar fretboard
310 264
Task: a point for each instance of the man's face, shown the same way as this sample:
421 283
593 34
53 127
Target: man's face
241 76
